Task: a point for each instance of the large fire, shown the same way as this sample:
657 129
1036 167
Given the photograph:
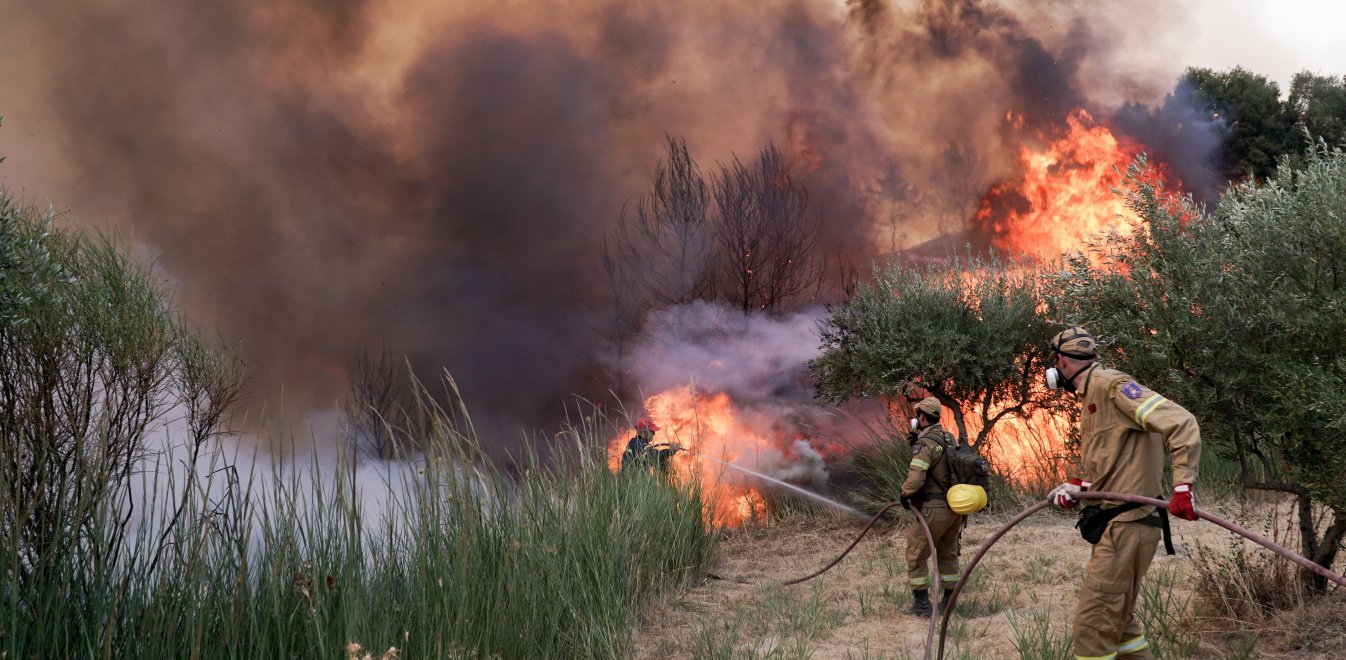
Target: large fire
714 430
1064 194
709 425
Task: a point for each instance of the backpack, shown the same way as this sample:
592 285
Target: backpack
966 464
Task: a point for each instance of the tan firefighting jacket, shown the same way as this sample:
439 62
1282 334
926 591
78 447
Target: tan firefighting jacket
1124 431
929 473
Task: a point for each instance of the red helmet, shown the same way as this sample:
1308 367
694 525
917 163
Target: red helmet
645 423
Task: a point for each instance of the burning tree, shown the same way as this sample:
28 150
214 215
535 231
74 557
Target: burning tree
664 244
746 237
1238 315
972 334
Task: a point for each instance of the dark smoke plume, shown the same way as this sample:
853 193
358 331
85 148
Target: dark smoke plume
322 177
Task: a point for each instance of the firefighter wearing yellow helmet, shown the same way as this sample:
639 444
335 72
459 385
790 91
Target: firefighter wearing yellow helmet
928 480
1124 431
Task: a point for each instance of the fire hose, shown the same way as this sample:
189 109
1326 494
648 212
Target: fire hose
1248 534
1022 515
934 560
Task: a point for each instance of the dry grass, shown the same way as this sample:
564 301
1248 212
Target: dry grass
1021 597
1255 601
1316 630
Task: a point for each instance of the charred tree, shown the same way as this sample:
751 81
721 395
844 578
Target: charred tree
377 404
766 235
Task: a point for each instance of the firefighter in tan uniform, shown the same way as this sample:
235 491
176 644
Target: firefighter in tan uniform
928 479
1125 430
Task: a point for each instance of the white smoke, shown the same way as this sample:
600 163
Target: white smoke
752 357
237 480
761 362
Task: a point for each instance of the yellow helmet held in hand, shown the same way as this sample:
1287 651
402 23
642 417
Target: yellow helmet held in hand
965 499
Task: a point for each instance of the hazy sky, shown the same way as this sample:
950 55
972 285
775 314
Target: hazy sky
1276 39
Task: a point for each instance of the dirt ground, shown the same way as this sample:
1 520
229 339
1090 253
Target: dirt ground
1018 604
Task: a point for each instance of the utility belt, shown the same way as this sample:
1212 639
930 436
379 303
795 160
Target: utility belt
1094 520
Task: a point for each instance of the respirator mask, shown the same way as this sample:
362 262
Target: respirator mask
1056 380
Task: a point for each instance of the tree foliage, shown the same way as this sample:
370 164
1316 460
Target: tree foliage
1241 316
1319 103
1261 128
91 359
971 333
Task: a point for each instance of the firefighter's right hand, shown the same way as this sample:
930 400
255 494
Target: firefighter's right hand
906 502
1064 495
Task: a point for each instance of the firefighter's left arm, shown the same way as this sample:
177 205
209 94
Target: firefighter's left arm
921 461
1153 412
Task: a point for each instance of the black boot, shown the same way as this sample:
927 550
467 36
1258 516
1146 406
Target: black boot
948 593
920 605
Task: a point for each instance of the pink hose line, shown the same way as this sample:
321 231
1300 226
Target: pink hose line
848 549
1124 497
934 560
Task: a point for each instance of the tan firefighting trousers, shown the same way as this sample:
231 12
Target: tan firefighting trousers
946 527
1105 619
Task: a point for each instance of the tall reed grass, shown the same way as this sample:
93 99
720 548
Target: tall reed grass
461 561
111 546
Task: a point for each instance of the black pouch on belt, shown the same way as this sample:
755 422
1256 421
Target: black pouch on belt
1094 520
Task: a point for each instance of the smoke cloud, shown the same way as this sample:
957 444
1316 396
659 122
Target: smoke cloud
322 177
761 363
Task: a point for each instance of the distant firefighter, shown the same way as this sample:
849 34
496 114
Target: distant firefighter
640 452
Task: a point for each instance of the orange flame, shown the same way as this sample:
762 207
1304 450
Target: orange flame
1064 194
709 425
1028 451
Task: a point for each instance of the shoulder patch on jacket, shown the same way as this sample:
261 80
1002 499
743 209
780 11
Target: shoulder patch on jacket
1131 390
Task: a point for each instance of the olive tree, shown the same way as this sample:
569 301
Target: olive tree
971 333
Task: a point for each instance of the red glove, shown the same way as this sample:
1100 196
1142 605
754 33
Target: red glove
1183 505
1063 495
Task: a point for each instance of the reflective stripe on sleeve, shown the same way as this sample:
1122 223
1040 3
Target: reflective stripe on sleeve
920 464
1143 412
